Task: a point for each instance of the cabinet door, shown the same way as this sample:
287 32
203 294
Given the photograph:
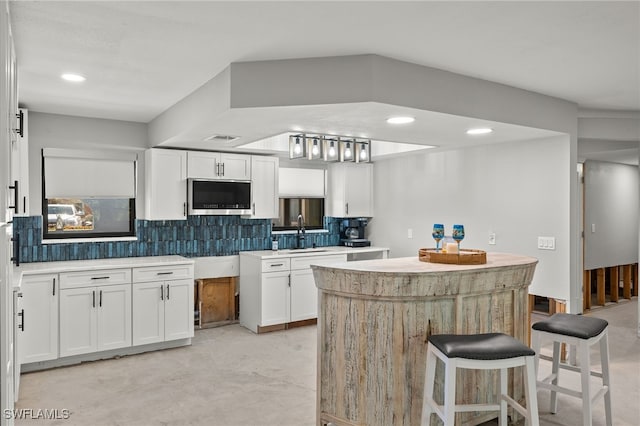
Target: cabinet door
304 295
202 165
178 309
275 298
114 316
235 166
165 184
78 321
148 312
38 334
359 190
264 187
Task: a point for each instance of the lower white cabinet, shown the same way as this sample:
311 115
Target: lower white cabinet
162 308
279 290
37 317
95 319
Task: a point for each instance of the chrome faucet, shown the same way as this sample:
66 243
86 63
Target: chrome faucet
300 232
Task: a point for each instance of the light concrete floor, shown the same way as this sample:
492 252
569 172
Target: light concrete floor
232 377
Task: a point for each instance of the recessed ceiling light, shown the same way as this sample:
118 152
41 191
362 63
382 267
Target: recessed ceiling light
400 120
479 131
76 78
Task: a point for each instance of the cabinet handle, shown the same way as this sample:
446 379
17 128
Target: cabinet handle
54 287
21 325
346 208
254 208
217 169
161 292
24 204
15 197
167 291
100 278
273 265
100 298
289 280
20 129
184 209
94 298
16 249
222 169
164 273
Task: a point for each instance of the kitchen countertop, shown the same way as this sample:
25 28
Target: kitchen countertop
96 264
319 251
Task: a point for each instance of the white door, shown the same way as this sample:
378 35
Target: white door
78 316
38 318
275 298
235 166
264 187
358 190
178 309
148 312
114 316
304 295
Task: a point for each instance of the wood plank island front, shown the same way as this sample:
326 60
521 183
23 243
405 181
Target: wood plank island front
374 318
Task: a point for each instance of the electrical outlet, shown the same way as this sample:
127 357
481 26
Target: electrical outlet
492 238
409 233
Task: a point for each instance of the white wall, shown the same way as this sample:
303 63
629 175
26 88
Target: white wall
611 206
518 190
63 131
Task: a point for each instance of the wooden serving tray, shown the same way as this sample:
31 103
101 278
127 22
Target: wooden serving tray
466 257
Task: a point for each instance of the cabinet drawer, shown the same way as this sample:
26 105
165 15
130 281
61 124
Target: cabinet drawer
94 278
306 261
159 273
274 265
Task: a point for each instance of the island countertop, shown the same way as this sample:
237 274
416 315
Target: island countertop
374 319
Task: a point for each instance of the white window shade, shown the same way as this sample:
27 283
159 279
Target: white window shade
76 175
301 183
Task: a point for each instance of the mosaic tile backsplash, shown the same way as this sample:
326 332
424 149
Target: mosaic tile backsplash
197 236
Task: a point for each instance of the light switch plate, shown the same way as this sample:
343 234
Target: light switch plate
546 243
409 233
492 238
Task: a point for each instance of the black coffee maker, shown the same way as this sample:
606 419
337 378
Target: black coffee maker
353 233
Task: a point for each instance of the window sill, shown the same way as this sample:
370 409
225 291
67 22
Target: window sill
87 240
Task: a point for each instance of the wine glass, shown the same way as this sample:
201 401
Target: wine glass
458 235
438 234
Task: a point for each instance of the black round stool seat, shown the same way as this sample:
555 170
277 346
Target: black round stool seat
572 325
480 346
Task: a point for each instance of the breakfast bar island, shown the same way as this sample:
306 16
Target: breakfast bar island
374 318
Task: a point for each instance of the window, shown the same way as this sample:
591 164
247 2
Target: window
88 194
312 210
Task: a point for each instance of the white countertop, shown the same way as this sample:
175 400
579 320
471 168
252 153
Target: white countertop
319 251
97 264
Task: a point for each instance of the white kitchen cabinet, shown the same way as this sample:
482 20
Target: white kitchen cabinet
264 187
279 290
38 318
19 194
95 319
165 184
350 190
218 165
162 304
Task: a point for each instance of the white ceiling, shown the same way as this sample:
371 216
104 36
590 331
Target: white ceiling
140 58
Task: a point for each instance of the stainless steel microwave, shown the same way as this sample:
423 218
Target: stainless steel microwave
219 197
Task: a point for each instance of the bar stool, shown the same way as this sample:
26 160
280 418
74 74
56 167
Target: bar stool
491 351
582 332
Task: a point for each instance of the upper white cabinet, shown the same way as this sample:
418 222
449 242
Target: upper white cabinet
218 165
165 184
264 187
19 180
350 190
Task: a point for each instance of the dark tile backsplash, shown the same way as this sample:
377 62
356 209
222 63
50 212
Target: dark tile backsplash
195 237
